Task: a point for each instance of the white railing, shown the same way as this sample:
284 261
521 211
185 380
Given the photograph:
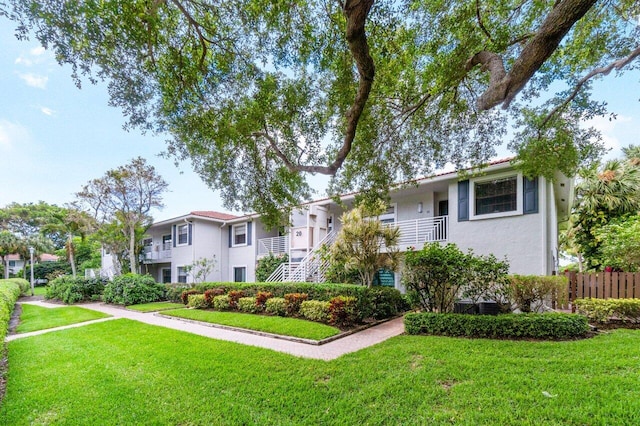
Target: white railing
282 272
163 253
419 231
310 267
274 245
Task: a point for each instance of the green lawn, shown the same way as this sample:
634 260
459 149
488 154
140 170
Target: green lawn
38 291
123 372
155 306
35 317
277 325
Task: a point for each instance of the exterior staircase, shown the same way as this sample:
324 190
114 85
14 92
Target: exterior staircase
310 269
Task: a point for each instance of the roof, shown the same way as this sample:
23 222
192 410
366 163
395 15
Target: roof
214 215
44 257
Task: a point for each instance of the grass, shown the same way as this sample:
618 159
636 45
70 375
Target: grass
35 318
269 324
155 306
124 372
38 291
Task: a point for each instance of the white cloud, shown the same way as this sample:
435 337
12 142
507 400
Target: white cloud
37 51
12 135
34 80
35 56
609 129
47 111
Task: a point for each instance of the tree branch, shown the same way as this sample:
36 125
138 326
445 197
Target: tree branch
503 88
616 65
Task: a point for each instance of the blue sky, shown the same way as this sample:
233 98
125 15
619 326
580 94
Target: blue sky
54 138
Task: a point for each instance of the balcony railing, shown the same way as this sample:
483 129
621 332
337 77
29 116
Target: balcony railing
161 253
274 245
419 231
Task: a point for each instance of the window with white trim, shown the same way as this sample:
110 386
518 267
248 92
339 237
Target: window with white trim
496 196
239 235
239 274
183 234
182 274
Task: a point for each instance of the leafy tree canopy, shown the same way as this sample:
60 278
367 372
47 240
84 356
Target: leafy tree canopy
260 93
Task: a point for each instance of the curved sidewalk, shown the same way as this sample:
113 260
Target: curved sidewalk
328 351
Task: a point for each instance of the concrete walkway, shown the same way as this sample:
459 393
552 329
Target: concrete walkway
328 351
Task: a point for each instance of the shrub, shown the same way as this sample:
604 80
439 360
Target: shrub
536 326
315 310
184 297
343 312
276 306
72 290
268 264
173 292
234 296
530 291
197 301
386 302
133 289
602 310
261 299
221 303
211 293
9 293
293 301
247 304
25 286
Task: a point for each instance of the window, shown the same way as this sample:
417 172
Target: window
166 276
12 263
240 235
166 242
239 274
389 216
496 196
182 274
183 234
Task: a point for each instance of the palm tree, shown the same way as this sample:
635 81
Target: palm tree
602 194
8 245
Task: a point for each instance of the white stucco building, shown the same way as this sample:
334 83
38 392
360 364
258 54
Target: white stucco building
499 212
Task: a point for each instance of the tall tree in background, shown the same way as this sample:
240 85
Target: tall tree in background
40 245
70 222
8 245
25 220
123 199
259 93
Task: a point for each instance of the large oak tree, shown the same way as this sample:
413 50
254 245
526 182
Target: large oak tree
259 93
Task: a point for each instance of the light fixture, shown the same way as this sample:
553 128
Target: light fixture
420 207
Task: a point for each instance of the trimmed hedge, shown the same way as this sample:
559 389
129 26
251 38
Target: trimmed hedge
276 306
602 310
132 289
197 301
376 302
315 310
25 286
534 326
9 292
71 290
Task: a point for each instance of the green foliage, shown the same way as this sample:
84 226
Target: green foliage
387 302
343 312
184 297
247 304
9 293
619 242
293 302
603 310
315 310
261 299
512 326
72 290
268 264
222 302
43 270
173 292
359 243
436 275
201 268
25 286
530 291
211 293
276 306
197 301
603 194
133 289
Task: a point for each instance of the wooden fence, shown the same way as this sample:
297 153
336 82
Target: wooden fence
603 285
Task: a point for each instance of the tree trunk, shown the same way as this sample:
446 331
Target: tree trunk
133 262
70 255
5 263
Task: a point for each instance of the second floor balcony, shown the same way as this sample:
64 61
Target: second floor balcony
158 253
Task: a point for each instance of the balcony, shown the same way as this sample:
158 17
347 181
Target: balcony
273 245
157 254
414 233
